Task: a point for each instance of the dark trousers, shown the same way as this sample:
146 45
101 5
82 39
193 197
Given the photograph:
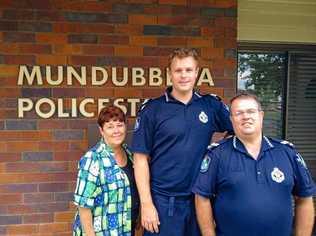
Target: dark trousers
177 216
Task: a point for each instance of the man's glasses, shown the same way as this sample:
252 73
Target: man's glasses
249 112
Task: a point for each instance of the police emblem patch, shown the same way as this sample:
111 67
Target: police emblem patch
203 117
205 164
277 175
137 124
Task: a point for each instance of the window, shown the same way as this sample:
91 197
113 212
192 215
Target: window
284 79
264 75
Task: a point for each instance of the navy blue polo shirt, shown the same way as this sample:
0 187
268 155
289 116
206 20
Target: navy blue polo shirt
253 197
175 136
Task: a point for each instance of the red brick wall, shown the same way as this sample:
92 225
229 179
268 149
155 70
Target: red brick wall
38 157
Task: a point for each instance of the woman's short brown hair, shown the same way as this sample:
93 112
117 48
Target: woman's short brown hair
111 113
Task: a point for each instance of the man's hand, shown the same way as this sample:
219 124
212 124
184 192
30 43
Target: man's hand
150 219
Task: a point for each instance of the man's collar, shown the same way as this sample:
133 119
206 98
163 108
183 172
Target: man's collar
170 98
265 144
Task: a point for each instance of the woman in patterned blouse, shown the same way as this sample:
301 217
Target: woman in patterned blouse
106 194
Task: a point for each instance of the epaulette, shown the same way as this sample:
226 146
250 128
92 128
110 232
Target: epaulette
216 144
284 142
215 96
144 104
212 146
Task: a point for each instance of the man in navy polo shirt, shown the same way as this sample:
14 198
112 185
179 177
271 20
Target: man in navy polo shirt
169 142
251 179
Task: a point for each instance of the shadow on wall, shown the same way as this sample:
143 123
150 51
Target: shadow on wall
94 135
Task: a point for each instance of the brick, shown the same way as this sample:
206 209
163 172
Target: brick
82 16
51 38
83 60
18 37
19 59
129 29
9 92
143 62
20 124
64 216
172 41
5 157
67 176
18 188
98 50
203 3
9 71
231 12
99 6
152 92
52 124
54 227
127 8
68 92
73 38
128 51
114 39
114 18
226 22
157 30
226 3
68 134
3 229
112 61
22 229
37 167
225 42
50 15
9 48
66 49
212 53
68 156
22 209
37 156
186 10
35 26
186 31
15 14
127 92
52 207
212 12
6 199
142 19
158 10
52 146
38 218
78 146
8 25
38 197
36 92
225 83
82 124
199 42
157 51
51 60
35 49
230 53
63 197
80 27
143 40
10 220
173 2
26 135
22 146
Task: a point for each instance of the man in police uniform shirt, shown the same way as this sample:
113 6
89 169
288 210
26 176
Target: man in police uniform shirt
251 179
170 138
